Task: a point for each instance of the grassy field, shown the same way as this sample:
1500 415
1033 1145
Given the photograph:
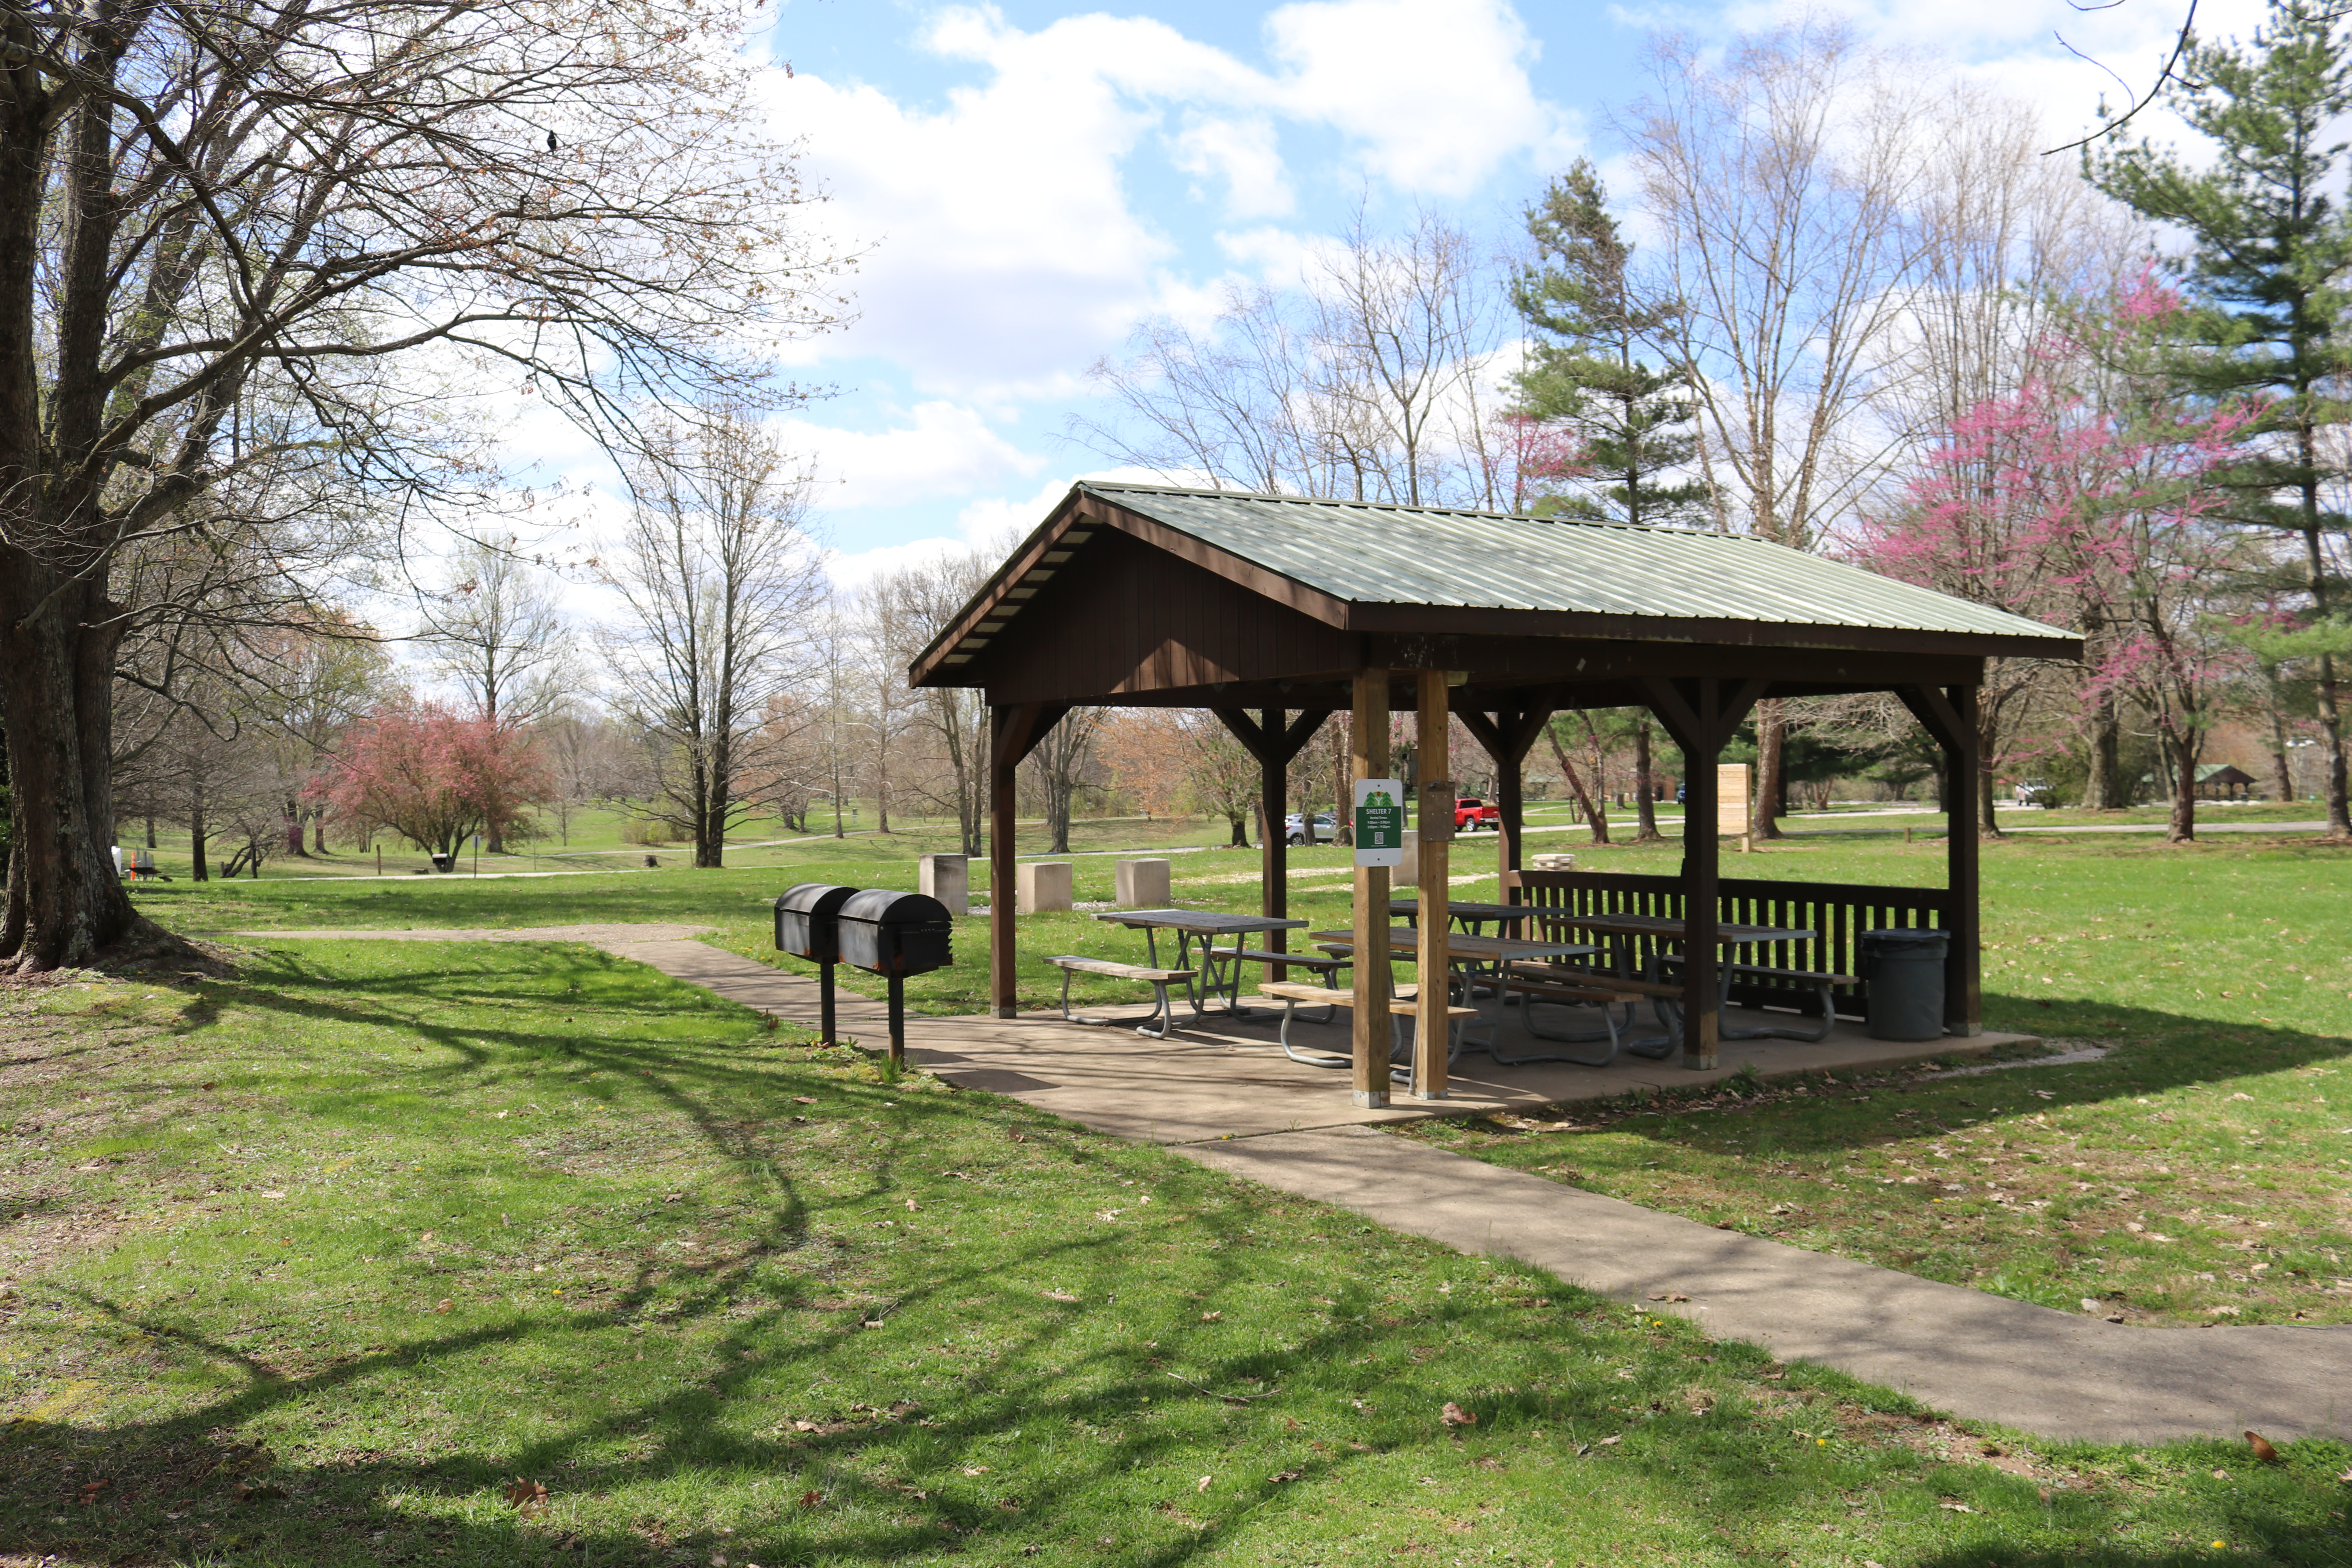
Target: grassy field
410 1253
2219 970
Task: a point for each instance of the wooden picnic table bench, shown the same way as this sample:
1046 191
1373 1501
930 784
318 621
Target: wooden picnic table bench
1160 980
1818 983
1566 985
1406 1003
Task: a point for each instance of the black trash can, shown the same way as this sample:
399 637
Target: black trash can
1905 971
443 862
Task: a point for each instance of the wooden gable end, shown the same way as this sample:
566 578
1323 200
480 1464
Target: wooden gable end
1126 620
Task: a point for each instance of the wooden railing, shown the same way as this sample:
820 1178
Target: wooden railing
1837 912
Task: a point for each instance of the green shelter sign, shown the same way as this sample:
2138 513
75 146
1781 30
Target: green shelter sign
1380 822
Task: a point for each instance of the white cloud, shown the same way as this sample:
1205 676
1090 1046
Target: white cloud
1244 152
1005 246
941 448
1435 91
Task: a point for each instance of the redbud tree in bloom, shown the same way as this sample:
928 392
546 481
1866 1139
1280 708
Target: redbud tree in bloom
2088 498
435 778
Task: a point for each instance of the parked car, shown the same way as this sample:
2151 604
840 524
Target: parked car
1471 814
1295 829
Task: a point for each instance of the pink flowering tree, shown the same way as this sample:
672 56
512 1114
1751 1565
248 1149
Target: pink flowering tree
434 778
2089 497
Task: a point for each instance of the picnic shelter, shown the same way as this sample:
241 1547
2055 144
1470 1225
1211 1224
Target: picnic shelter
1274 612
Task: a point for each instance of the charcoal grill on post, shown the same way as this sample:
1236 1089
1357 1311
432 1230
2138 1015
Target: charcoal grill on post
805 917
895 935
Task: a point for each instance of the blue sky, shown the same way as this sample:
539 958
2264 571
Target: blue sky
1030 180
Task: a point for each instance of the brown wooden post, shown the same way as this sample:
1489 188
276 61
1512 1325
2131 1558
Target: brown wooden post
1274 853
1950 714
1369 740
1964 959
1510 807
1433 820
1702 1023
1013 732
1003 958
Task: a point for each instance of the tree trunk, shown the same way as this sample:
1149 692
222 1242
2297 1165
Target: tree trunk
291 819
1343 800
56 643
1240 826
1645 820
1771 741
2104 790
2182 827
151 830
200 873
1599 783
1576 782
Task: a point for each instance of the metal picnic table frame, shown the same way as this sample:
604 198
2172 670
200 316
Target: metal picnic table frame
1495 949
1208 925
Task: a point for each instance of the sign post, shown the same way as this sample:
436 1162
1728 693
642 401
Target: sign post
1380 822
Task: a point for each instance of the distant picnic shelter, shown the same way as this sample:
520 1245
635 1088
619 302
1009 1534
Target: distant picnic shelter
1274 612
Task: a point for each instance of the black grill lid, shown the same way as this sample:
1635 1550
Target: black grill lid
818 899
880 906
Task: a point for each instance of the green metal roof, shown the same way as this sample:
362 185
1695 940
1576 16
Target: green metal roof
1375 554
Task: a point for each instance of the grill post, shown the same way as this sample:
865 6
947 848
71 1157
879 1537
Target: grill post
897 1020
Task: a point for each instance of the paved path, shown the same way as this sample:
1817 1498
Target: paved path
1217 1099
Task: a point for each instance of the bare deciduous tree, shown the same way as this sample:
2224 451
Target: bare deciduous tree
325 214
723 584
1368 379
1786 181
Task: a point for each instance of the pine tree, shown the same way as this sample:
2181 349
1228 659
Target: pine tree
2269 265
1588 326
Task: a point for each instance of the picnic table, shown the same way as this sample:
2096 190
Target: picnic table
1671 928
1493 950
1469 915
1221 970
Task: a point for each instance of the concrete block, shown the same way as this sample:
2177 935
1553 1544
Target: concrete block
946 877
1140 884
1040 885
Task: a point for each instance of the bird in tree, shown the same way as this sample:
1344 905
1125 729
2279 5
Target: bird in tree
2269 262
1590 328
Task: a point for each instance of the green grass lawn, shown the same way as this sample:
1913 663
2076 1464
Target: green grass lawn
2220 968
343 1261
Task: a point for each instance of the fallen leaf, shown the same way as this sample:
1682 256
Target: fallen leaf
2262 1449
810 1499
2346 1477
1058 1296
1956 1507
975 1469
803 1425
1285 1475
527 1494
910 1205
1618 1438
1202 1484
1489 1463
89 1490
442 1305
1455 1416
1211 1317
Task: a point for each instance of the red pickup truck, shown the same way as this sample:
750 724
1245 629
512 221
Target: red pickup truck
1471 814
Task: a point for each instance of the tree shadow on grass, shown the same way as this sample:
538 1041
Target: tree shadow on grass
881 1461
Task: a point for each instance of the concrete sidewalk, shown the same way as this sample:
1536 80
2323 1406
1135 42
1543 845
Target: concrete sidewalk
1219 1093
